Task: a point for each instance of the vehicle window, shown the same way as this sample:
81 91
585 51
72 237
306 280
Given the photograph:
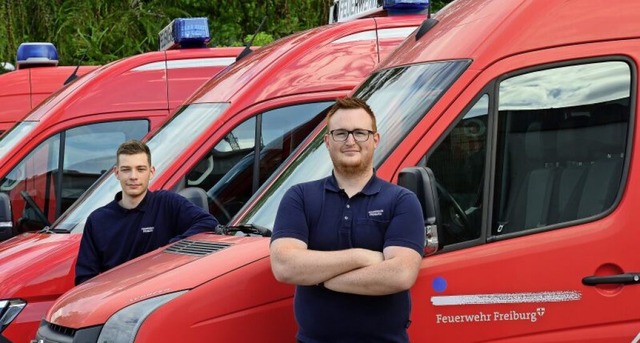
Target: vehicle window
189 124
458 164
31 181
40 189
227 153
228 172
283 130
90 152
562 137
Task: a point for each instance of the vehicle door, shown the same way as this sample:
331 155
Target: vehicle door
532 162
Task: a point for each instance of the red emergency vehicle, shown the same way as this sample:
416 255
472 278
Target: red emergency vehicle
37 76
228 139
514 122
50 157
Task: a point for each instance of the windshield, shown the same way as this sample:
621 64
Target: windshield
399 97
166 145
15 135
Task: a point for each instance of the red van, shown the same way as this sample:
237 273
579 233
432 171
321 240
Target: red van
514 122
37 76
50 157
59 149
227 140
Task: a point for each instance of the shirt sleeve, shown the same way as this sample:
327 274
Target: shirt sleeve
191 219
406 228
290 220
88 262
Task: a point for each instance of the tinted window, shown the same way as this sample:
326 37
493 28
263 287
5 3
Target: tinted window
562 139
458 163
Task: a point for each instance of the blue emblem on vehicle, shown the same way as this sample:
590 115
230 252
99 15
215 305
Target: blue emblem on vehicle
439 284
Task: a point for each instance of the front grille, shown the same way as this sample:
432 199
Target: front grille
65 331
195 248
52 333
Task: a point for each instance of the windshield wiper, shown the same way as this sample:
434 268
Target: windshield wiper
46 229
244 228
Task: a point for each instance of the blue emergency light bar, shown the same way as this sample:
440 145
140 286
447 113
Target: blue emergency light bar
396 7
346 10
36 54
185 33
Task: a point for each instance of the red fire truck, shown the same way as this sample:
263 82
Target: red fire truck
227 139
58 150
514 123
37 76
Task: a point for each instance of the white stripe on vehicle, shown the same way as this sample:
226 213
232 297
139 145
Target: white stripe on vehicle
506 298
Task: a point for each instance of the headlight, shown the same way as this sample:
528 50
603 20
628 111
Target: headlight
9 310
123 326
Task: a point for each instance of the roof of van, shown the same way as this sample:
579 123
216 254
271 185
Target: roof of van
88 92
488 30
299 63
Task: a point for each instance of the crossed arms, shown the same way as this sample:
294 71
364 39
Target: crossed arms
356 270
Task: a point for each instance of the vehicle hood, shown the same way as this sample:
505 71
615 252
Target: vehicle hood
202 257
35 263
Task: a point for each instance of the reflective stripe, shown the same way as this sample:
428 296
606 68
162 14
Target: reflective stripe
506 298
195 63
400 32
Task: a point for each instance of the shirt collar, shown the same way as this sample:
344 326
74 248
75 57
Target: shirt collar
372 187
142 206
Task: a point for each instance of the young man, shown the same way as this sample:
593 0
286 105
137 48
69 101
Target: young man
351 242
137 220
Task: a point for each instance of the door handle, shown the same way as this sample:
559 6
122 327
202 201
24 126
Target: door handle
624 279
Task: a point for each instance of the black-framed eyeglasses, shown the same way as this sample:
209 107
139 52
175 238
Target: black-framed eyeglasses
359 135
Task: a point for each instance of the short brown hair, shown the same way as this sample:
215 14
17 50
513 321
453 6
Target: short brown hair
132 147
350 103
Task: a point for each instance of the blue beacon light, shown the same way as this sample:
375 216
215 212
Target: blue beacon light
36 55
185 33
404 7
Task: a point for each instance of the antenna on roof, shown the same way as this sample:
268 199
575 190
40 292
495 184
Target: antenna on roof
74 75
247 49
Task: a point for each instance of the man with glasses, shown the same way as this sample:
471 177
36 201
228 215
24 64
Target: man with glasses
351 243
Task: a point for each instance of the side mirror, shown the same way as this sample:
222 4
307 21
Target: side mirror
6 225
422 182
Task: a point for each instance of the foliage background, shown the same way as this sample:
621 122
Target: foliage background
111 29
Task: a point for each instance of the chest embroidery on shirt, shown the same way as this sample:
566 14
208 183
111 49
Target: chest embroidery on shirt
375 213
147 229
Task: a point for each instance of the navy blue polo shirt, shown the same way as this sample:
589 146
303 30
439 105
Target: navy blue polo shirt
114 235
321 214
